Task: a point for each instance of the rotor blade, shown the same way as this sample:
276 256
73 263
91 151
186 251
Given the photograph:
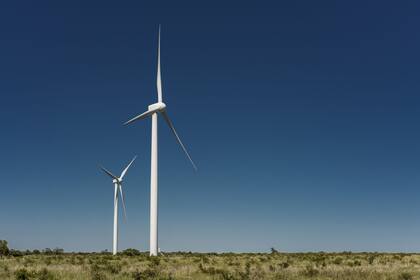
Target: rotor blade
123 202
139 117
108 172
159 77
171 126
128 166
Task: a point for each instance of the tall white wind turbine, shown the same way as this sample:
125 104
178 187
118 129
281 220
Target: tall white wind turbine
117 188
154 110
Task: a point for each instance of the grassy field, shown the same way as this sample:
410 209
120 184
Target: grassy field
343 266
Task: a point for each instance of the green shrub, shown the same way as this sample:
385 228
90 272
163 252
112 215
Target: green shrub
47 260
136 275
44 274
226 275
310 271
102 261
114 268
4 249
149 274
154 261
27 261
6 268
131 252
23 274
96 273
406 276
247 274
357 263
284 265
207 269
338 261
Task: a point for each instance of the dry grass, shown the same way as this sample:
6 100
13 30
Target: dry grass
343 266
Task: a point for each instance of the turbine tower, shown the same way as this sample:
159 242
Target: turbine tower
154 110
117 188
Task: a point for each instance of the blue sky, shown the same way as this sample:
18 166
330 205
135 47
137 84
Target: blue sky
302 118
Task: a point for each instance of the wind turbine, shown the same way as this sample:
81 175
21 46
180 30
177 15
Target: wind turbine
154 110
117 187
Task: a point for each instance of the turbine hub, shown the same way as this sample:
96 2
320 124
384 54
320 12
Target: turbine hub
157 107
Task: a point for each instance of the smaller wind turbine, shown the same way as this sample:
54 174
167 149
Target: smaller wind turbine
117 187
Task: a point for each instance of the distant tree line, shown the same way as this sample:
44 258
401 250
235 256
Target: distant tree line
5 251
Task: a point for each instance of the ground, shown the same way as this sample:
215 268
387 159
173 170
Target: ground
347 266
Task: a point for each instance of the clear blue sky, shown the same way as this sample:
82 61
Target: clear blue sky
302 116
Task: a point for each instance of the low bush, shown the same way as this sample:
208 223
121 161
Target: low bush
310 271
131 252
284 265
114 267
23 274
406 276
44 274
96 273
4 249
136 275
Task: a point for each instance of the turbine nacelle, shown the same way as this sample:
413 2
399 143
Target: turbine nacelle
117 181
157 107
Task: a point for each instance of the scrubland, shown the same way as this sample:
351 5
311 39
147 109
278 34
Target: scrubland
134 265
